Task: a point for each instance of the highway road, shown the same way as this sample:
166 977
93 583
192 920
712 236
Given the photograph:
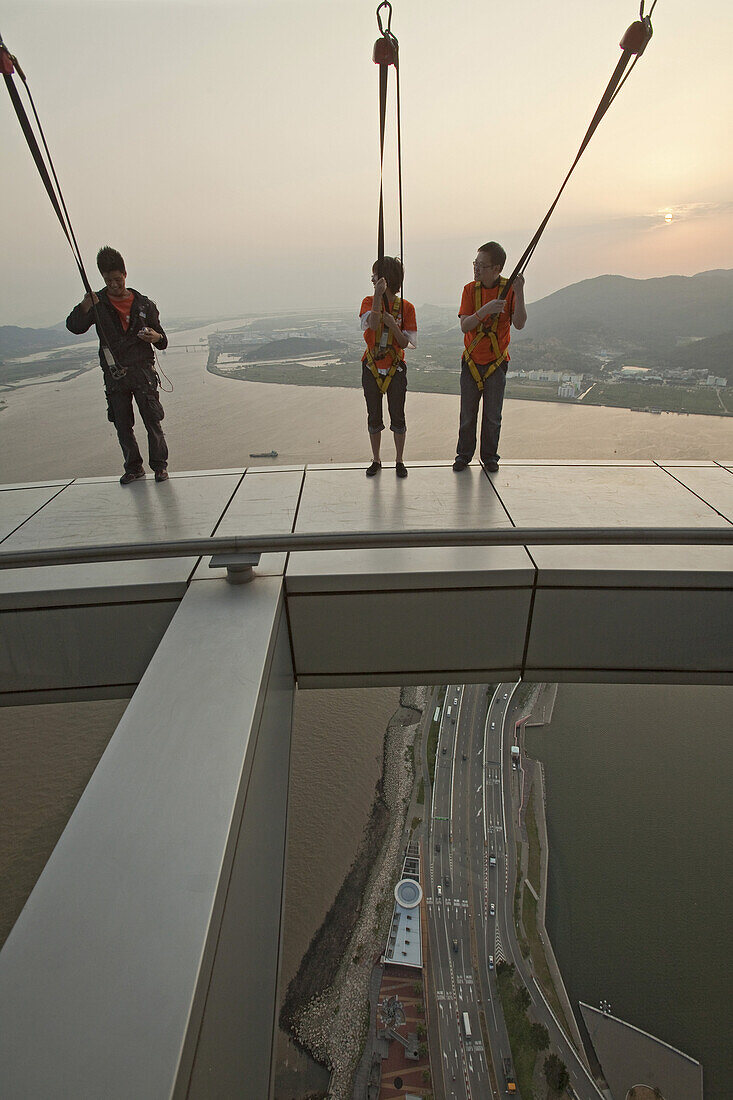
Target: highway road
469 885
460 891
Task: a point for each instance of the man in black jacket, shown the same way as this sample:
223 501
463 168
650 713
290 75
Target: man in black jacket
128 325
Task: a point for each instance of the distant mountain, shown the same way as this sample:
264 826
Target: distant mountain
714 355
617 312
15 341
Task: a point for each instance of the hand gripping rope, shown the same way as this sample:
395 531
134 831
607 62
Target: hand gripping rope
386 53
8 65
633 44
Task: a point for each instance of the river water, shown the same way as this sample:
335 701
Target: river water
638 778
640 830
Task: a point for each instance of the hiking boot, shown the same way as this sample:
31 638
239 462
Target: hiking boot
161 475
131 475
460 464
401 469
374 469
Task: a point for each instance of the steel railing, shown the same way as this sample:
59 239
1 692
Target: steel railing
218 545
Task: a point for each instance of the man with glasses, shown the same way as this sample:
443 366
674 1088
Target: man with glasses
486 321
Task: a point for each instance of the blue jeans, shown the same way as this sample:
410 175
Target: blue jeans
493 399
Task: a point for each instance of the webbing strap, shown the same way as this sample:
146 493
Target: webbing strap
386 53
383 380
55 194
483 331
633 44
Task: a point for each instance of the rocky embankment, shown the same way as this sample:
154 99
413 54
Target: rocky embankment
326 1006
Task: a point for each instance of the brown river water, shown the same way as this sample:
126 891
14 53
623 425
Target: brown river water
47 754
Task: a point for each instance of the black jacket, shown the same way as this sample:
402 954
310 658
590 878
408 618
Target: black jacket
130 352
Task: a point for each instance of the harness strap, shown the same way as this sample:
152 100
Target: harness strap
386 53
483 332
635 40
392 352
8 65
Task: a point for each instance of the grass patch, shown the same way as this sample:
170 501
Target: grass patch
523 945
533 871
539 962
433 734
701 400
421 792
534 391
520 1035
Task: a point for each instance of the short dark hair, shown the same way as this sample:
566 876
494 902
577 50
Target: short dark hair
109 259
391 269
495 252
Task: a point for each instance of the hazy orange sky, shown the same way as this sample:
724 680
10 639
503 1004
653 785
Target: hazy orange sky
230 150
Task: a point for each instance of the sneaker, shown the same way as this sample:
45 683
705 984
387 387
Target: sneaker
460 464
401 469
161 475
374 469
130 476
491 467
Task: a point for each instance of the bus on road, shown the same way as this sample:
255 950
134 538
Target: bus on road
466 1025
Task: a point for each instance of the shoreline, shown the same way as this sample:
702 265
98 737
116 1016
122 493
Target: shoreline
292 365
540 715
324 1009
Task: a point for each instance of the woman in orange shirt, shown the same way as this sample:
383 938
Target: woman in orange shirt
389 326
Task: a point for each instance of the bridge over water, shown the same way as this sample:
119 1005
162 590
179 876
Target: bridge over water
145 962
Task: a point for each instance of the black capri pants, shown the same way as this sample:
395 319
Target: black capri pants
395 400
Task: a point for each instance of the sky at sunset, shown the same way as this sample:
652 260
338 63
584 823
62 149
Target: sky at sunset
229 150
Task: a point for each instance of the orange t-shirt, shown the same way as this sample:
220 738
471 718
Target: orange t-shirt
483 353
123 306
409 326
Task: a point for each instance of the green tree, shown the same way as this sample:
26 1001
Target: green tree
421 1031
422 1050
504 967
556 1073
540 1037
523 998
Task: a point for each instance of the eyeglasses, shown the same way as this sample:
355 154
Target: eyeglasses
476 263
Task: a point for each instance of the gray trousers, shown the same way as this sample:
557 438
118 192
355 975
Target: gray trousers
123 418
471 397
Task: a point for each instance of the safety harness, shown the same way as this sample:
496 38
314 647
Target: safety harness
391 351
483 332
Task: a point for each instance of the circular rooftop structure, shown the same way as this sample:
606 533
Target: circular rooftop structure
408 893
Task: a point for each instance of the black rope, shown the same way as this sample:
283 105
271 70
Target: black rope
55 194
386 53
640 32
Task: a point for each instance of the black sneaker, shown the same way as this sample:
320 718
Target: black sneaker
131 476
460 464
374 469
161 475
491 467
401 469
